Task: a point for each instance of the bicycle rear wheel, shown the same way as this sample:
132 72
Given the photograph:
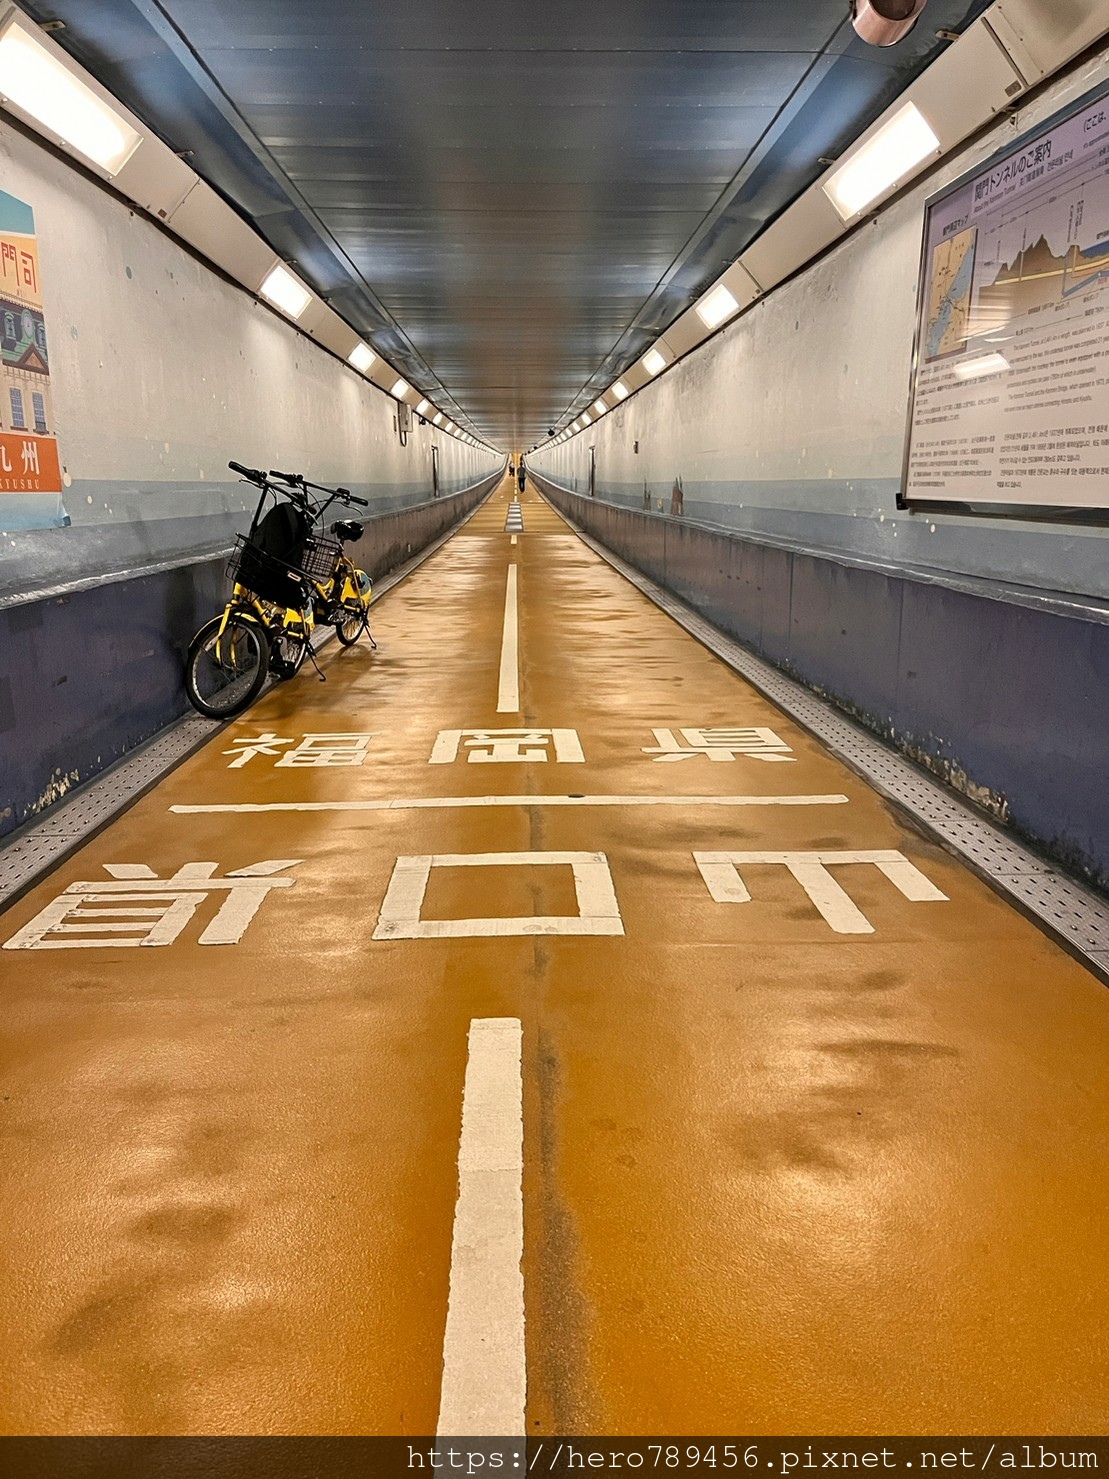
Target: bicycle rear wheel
225 670
350 625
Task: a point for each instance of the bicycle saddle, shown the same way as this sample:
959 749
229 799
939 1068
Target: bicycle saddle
347 530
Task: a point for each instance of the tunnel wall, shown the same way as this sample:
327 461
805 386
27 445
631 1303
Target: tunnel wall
790 423
89 673
759 476
977 644
160 371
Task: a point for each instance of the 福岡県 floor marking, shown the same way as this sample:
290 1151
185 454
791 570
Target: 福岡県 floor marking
415 803
508 692
484 1374
507 746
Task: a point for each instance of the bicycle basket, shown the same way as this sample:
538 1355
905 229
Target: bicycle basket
320 558
266 576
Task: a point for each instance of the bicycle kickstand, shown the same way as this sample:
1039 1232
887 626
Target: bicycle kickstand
315 664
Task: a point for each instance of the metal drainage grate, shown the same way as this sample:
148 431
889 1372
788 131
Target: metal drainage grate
1074 915
43 845
40 846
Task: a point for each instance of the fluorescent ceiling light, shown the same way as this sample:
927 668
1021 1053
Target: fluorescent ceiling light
620 390
451 426
46 89
982 364
653 361
437 419
885 160
422 407
361 357
400 389
600 407
284 292
586 419
717 306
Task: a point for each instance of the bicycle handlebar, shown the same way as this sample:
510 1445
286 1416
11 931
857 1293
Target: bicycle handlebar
252 474
295 481
298 480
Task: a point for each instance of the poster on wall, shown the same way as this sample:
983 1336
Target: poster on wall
1010 393
30 468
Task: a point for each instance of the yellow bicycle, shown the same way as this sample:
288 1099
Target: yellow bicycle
288 578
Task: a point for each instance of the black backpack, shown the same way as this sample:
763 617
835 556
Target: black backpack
283 533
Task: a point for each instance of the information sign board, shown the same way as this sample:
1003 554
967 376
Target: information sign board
1010 390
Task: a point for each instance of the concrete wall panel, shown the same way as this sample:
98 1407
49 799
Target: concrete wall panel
1007 701
844 628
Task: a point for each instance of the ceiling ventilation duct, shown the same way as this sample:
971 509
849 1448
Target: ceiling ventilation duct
885 22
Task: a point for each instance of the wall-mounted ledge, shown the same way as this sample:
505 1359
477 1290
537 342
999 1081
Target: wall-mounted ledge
1059 603
210 549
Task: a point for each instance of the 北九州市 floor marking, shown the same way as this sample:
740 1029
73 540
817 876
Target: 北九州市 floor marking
433 802
598 912
720 870
484 1373
508 692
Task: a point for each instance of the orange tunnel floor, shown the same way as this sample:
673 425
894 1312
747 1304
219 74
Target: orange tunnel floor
813 1123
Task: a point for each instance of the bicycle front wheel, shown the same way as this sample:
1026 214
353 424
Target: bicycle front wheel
226 669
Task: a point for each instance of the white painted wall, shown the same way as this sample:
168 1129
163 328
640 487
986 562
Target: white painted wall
162 371
790 423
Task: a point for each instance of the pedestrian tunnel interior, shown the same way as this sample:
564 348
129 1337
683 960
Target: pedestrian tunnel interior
554 638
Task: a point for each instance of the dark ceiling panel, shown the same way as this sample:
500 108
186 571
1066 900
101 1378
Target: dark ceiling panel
508 25
510 201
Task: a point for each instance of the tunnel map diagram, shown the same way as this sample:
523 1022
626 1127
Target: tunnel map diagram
1010 399
950 294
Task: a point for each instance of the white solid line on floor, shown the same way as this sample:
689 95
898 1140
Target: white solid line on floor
433 802
484 1372
508 692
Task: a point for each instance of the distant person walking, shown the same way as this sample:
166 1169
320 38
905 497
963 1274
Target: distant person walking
521 475
511 470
